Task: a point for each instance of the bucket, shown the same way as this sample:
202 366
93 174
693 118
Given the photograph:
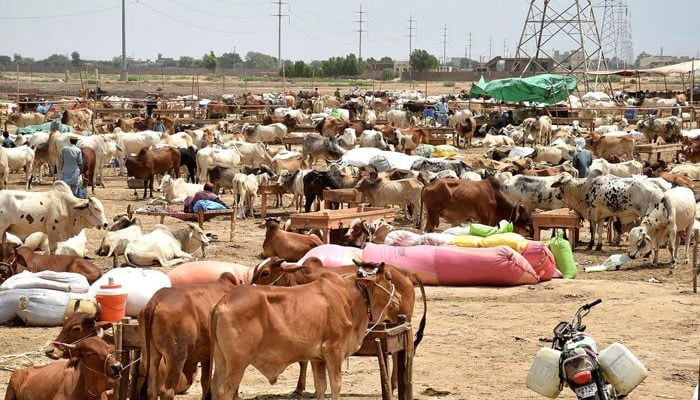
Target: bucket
112 301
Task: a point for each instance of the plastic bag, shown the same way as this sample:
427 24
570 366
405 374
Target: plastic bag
139 284
486 230
403 238
61 281
42 307
561 249
444 150
510 239
424 150
467 241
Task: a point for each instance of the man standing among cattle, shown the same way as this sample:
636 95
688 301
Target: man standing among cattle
582 159
72 160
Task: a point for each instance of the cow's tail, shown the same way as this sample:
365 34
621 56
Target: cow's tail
146 328
420 213
421 326
212 343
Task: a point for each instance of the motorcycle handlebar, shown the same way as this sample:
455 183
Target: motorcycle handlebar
592 304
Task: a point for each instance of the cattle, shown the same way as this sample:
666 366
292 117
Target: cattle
86 375
399 119
264 133
104 149
290 161
75 246
37 241
315 147
212 156
79 118
245 188
222 177
372 138
348 138
176 190
4 169
669 129
691 151
165 247
465 131
606 146
21 158
293 182
323 321
622 170
409 139
175 336
315 182
601 121
56 212
554 155
458 166
289 246
188 159
217 109
274 271
252 154
460 117
132 143
497 140
678 180
329 127
149 163
692 171
21 120
673 214
78 326
24 259
551 171
180 140
87 169
597 198
483 202
370 117
381 192
360 232
540 129
534 192
114 242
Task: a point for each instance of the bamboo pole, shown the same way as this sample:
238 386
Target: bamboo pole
17 82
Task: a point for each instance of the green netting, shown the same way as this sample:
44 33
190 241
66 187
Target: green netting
545 88
46 126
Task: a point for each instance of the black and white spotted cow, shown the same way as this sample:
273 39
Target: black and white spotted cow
534 192
426 164
606 196
673 214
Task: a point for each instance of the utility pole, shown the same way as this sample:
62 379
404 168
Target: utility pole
279 16
470 43
444 44
410 45
490 47
360 30
123 76
505 48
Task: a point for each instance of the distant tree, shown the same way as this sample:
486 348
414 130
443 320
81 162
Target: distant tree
5 60
75 58
168 63
196 64
421 60
386 59
16 58
257 60
229 60
370 60
388 74
55 60
185 62
210 62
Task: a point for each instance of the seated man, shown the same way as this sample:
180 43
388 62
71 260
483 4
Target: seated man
205 194
7 142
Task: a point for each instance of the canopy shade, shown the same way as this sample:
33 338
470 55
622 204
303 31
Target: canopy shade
680 68
545 88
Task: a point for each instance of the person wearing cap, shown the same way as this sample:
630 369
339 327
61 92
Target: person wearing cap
6 141
205 194
582 158
72 159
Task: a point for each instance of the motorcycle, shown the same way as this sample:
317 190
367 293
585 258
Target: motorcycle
574 361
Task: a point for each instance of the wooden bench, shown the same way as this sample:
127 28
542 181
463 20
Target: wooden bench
351 197
264 191
328 220
563 218
658 149
292 140
200 216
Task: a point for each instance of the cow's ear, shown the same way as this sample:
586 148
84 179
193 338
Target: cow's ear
82 205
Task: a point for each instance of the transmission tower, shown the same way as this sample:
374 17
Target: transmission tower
411 28
444 45
615 31
361 13
568 24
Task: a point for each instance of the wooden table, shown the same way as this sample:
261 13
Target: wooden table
200 217
564 218
292 140
328 220
264 191
658 149
383 340
352 197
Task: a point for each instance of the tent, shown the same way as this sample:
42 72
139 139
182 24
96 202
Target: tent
545 88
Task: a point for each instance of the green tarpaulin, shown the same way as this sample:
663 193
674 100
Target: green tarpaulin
28 130
545 88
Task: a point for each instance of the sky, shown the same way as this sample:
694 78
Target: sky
311 29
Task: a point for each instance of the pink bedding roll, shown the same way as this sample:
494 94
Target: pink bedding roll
208 271
333 255
541 260
457 266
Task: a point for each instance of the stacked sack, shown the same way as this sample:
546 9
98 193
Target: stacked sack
42 298
138 284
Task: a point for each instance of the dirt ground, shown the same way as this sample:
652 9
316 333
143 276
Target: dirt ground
479 342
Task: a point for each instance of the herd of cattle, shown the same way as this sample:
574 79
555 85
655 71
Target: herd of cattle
230 324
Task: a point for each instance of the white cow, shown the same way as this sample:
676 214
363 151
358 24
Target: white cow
553 154
370 117
165 247
56 212
460 117
4 169
105 150
176 190
672 214
621 170
293 182
211 156
347 139
75 246
245 188
133 142
372 138
692 171
252 154
398 118
497 140
37 241
264 133
114 242
179 140
21 158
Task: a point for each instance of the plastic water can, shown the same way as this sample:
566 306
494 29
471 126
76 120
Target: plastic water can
543 376
621 368
112 300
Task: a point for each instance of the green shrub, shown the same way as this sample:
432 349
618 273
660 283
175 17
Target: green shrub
448 84
389 74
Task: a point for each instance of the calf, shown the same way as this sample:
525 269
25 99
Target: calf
188 159
465 131
293 182
88 167
621 170
114 242
606 146
78 326
165 247
315 147
289 246
147 164
478 201
380 192
314 184
222 177
24 259
670 215
175 336
85 376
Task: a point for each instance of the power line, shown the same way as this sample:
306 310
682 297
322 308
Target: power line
65 15
470 43
303 32
198 26
322 17
214 14
360 30
279 16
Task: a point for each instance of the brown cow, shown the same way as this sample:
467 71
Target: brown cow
465 131
691 152
218 109
288 121
149 163
85 376
605 146
88 166
78 118
273 271
360 232
676 179
324 321
411 138
18 259
174 332
330 127
289 246
551 171
483 202
79 326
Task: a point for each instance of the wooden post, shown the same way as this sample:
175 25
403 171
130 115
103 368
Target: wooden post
162 79
695 263
125 360
233 224
383 374
117 328
200 218
30 73
17 83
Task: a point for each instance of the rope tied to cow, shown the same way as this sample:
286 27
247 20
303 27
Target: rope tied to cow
381 314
